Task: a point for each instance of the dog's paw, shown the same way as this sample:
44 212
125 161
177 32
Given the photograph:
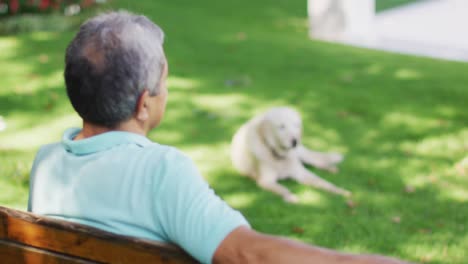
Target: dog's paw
346 193
335 158
291 198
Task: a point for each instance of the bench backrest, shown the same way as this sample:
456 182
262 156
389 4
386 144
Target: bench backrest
29 238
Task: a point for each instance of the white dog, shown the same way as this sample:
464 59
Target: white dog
268 148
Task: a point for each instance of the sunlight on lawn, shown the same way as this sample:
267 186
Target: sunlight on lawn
309 196
447 145
36 83
36 136
240 199
15 195
42 36
230 104
14 70
429 161
406 121
210 158
175 83
330 140
446 111
374 69
456 192
442 144
8 45
227 108
424 251
408 74
169 137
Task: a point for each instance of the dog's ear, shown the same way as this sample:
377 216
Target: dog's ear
264 131
262 128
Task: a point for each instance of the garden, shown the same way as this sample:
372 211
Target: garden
401 121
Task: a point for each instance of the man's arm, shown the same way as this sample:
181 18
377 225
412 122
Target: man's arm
244 245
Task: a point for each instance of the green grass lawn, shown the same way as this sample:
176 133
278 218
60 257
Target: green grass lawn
382 5
401 121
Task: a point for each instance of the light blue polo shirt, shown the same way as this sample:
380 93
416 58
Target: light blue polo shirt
124 183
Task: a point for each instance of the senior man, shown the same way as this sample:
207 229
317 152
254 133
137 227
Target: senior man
107 174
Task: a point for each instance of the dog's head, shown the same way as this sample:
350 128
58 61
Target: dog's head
281 128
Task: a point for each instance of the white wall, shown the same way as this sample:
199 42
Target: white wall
337 20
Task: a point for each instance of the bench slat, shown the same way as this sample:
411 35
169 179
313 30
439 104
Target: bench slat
83 241
13 253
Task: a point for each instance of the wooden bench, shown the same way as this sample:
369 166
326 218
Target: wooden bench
29 238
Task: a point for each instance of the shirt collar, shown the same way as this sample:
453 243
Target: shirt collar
100 142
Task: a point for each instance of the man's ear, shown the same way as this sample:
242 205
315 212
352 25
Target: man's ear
142 110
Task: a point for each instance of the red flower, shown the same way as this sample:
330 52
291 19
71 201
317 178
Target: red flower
14 6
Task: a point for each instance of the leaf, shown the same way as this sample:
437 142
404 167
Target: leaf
396 219
424 231
298 230
347 78
54 96
33 76
43 58
49 106
371 182
351 203
241 36
409 189
343 114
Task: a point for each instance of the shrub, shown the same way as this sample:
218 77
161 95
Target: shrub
14 7
20 16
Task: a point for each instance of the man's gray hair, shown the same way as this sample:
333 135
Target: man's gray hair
110 62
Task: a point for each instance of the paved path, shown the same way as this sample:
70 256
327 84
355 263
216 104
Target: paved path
433 28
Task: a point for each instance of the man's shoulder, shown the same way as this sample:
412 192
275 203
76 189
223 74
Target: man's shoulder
48 149
167 166
166 152
167 156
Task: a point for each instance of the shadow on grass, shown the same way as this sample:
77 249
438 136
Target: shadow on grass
387 113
